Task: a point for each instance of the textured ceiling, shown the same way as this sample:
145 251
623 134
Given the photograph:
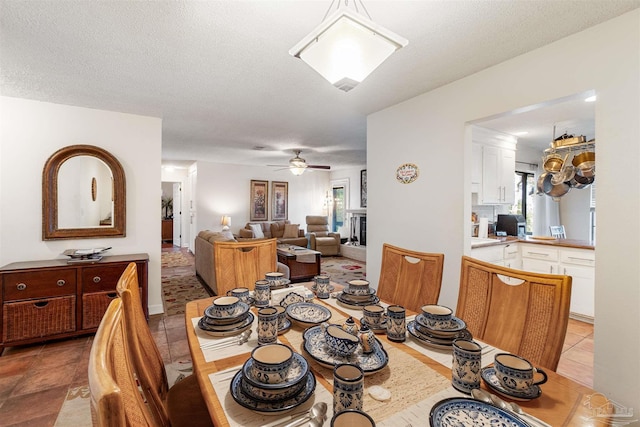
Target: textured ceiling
219 75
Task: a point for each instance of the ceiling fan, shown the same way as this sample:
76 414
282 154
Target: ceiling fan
298 165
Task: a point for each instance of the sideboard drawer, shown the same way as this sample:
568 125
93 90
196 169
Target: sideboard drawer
38 318
39 284
101 278
93 307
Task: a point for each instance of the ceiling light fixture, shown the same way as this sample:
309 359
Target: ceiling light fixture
590 99
347 46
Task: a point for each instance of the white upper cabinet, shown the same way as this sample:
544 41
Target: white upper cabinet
497 156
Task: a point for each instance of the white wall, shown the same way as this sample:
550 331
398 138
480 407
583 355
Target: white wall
224 189
432 213
353 175
32 131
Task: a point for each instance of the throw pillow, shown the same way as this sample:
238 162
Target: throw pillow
290 231
257 231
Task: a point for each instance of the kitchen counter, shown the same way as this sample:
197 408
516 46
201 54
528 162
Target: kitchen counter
567 243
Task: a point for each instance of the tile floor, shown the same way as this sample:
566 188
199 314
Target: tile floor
35 379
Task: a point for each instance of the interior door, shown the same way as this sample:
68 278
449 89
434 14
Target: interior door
177 214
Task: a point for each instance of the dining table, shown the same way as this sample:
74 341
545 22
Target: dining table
417 376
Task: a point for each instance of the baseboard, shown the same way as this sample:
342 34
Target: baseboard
156 309
582 318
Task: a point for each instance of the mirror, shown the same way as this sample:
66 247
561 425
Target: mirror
83 194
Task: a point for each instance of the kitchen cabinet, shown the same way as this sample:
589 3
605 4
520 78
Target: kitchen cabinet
52 299
506 255
539 259
574 262
498 168
494 165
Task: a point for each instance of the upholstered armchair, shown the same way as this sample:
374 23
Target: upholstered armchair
320 238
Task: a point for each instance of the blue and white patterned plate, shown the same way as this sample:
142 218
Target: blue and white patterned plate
299 368
314 344
291 298
280 406
215 332
450 328
286 325
436 342
491 380
308 314
346 302
459 411
241 309
380 329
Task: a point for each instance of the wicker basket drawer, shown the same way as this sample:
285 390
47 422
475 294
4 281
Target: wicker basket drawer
39 284
38 318
93 307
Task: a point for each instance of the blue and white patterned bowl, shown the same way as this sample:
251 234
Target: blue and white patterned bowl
292 383
340 341
214 316
271 363
308 314
458 411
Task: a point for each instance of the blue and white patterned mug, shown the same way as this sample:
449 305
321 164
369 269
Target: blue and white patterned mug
396 323
517 373
271 363
465 370
348 387
322 286
267 325
262 293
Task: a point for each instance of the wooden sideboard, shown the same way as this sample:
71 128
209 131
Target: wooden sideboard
52 299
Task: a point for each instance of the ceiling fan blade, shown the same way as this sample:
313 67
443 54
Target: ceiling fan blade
279 166
319 167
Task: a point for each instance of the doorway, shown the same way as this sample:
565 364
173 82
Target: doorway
171 213
339 206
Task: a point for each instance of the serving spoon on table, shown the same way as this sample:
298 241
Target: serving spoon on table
511 407
317 413
239 340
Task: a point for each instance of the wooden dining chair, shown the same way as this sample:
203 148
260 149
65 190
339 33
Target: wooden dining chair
240 264
410 278
520 312
183 403
115 398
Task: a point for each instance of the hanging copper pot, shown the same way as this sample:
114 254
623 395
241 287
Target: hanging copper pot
585 164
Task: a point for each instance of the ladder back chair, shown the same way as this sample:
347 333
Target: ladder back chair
558 231
520 312
115 397
410 278
240 264
180 405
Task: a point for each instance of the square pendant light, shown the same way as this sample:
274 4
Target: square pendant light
346 47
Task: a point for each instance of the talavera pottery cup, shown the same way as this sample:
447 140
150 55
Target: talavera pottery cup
373 315
516 373
322 286
241 293
436 315
352 418
339 341
225 306
262 293
271 363
466 367
275 278
396 323
267 325
282 315
358 287
348 387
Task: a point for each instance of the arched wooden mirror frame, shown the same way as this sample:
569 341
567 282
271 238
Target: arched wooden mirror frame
50 230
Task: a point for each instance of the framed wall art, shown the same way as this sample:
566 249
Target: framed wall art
258 200
279 200
363 188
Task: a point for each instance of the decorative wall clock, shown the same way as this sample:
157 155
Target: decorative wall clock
407 173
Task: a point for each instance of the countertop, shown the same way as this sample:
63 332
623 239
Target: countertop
567 243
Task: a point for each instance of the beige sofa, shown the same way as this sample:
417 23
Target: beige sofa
275 229
205 260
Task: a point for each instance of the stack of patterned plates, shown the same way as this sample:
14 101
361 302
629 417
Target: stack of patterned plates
235 323
357 294
440 336
270 398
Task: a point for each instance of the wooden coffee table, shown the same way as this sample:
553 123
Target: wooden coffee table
299 271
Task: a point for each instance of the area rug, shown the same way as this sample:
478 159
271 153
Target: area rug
341 269
175 259
177 291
